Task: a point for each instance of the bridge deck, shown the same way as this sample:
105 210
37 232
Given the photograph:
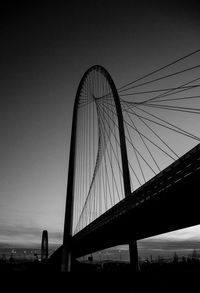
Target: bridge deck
161 205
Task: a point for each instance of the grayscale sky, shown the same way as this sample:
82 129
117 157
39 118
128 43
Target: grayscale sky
43 54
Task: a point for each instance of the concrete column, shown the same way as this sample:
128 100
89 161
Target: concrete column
133 251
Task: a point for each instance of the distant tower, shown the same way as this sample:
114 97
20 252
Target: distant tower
44 246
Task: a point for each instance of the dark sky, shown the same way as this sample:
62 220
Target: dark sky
45 49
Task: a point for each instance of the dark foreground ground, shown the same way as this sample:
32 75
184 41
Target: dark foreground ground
146 267
162 268
161 277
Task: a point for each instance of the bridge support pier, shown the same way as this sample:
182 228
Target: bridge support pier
66 261
133 251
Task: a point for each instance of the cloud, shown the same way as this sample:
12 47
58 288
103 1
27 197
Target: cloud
166 248
192 233
25 235
168 245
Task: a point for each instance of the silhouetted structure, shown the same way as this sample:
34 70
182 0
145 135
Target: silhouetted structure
67 246
143 212
44 245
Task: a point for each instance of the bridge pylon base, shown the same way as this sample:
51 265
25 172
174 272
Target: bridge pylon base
133 251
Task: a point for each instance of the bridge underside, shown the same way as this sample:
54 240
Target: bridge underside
174 208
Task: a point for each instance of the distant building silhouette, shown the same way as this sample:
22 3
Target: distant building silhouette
44 245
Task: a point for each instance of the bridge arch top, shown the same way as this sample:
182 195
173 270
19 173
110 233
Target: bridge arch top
104 72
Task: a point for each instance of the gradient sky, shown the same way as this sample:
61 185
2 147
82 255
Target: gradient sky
43 54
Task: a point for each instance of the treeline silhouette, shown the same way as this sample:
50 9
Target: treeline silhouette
160 265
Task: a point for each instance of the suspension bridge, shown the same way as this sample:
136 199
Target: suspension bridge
134 162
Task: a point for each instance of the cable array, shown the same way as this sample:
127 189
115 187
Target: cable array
98 170
161 122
